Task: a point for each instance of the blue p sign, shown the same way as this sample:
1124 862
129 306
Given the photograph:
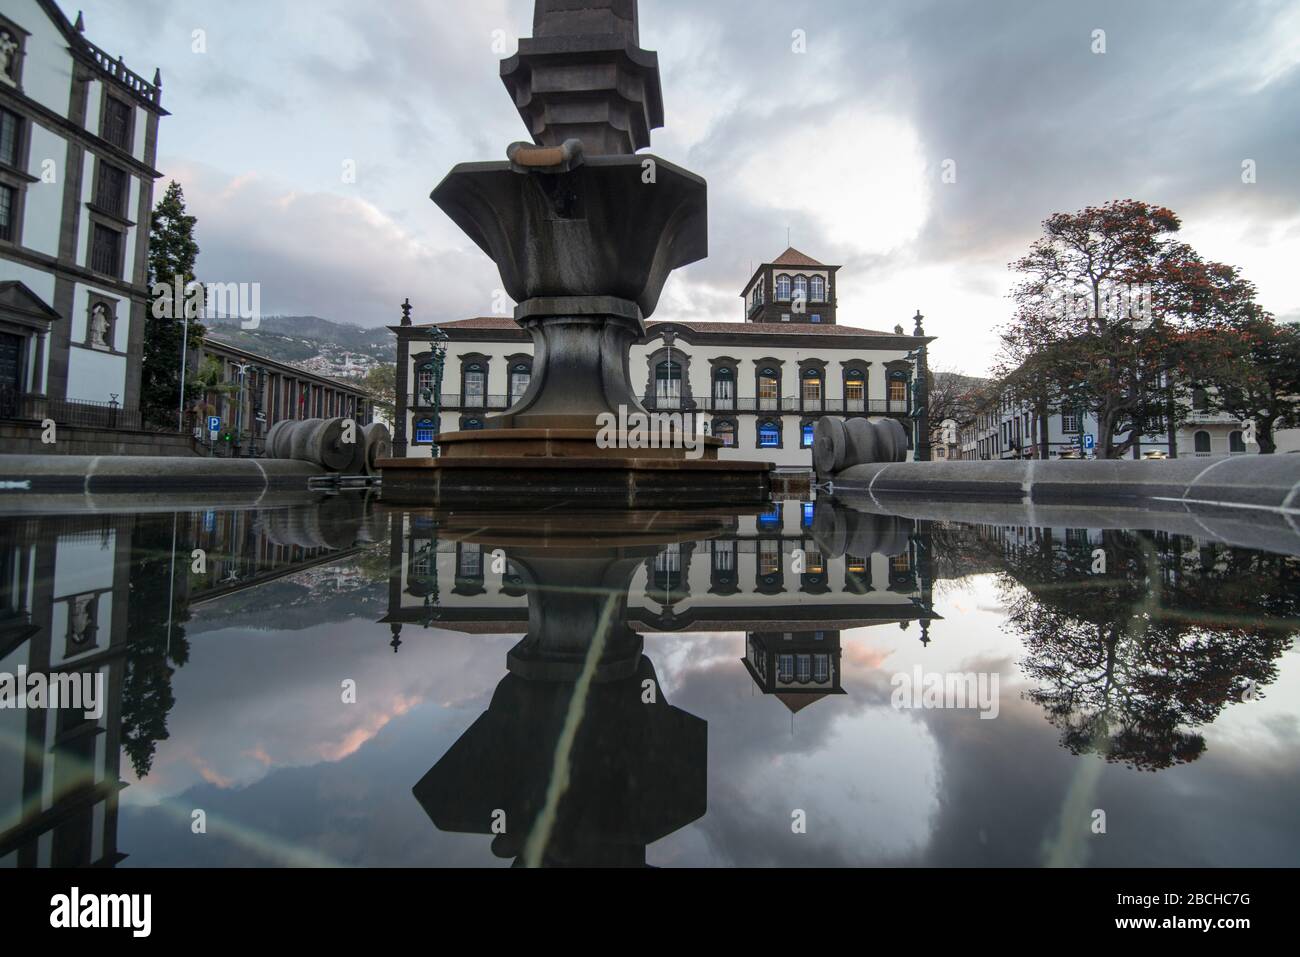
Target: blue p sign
214 423
1089 441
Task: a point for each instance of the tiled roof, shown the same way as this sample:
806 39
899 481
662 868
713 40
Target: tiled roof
792 257
725 328
773 328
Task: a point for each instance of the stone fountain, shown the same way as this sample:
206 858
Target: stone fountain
584 232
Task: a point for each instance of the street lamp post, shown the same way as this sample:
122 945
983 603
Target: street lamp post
243 367
439 349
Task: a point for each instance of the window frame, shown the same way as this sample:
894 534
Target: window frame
106 98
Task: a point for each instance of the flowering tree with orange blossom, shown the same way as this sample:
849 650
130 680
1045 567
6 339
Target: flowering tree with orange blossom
1111 316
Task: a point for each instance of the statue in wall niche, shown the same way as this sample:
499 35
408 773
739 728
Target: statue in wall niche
100 323
81 625
8 58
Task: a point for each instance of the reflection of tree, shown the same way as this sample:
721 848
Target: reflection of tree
1132 660
147 683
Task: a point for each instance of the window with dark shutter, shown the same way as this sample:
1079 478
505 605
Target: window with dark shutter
8 212
117 123
10 124
112 189
106 250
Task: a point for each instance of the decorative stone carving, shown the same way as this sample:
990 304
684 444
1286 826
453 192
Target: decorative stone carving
9 49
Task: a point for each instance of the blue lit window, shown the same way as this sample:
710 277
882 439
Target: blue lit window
424 431
806 435
807 514
769 435
816 317
771 518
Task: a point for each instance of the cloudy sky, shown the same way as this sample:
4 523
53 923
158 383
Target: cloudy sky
843 145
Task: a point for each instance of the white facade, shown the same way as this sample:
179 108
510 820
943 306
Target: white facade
1009 430
714 372
79 133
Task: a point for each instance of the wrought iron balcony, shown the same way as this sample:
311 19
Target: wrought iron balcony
751 404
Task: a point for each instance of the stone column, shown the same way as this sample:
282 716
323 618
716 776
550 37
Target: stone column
402 386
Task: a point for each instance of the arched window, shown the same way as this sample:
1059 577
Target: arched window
769 434
1236 444
855 391
806 435
424 381
520 376
475 385
897 390
1202 441
471 424
724 389
668 385
801 288
817 289
812 388
425 429
783 288
725 429
769 388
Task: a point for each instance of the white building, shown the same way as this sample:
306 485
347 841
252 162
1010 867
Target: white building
78 133
759 385
1009 429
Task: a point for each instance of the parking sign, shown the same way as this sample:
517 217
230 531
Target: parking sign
214 423
1090 441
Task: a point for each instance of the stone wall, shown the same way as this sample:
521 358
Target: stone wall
24 438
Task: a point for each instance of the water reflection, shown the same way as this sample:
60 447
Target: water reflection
580 756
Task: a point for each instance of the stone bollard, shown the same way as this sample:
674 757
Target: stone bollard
379 445
319 441
839 443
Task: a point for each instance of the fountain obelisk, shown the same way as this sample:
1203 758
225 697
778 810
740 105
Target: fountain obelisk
584 232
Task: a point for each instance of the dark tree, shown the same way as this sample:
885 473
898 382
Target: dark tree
173 252
147 696
1130 662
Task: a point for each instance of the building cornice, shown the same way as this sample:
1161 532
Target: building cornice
14 98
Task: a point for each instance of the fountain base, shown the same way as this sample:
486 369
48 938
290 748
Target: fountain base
528 467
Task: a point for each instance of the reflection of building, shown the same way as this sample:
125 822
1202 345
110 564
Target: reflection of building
799 667
772 578
65 587
78 135
759 385
737 582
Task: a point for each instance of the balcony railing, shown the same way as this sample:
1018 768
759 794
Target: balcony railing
119 71
497 403
454 400
786 404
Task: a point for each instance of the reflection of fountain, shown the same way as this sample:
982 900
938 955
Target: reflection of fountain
634 765
635 771
584 234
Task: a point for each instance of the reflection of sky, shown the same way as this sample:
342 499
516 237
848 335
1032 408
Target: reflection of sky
287 773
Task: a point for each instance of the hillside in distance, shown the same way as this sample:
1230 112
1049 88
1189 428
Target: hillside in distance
322 345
